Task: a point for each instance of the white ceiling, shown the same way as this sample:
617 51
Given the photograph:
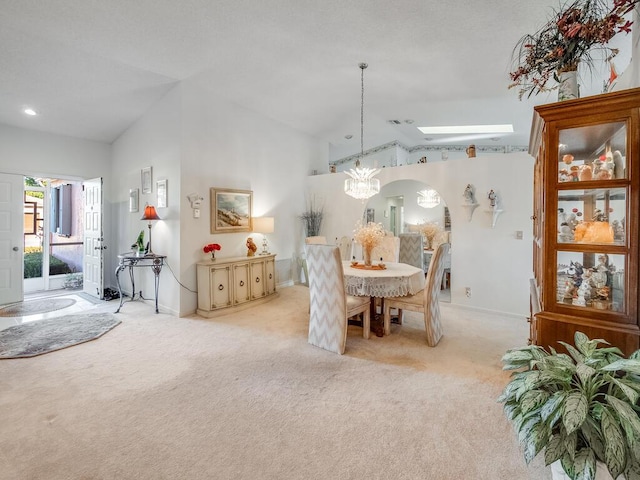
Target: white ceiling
91 68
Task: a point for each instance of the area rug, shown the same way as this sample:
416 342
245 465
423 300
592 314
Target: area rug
44 336
33 307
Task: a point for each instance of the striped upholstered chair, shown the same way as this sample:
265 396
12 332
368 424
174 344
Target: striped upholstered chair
330 306
425 301
412 249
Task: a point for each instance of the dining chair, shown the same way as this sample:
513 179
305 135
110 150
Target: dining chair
411 249
344 244
388 250
425 301
329 305
316 240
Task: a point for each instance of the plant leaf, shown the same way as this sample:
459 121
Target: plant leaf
585 465
635 355
632 472
614 444
584 372
568 466
628 391
575 354
631 366
532 399
591 433
570 443
535 441
580 340
554 450
575 411
552 405
629 419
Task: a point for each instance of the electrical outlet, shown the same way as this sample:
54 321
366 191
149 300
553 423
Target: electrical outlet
467 291
518 234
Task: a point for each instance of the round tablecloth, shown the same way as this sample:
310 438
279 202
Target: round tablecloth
397 280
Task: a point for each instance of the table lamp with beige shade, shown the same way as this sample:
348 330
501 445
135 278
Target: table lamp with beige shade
263 225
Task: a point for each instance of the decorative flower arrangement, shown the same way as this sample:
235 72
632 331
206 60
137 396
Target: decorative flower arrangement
211 248
430 231
369 236
567 39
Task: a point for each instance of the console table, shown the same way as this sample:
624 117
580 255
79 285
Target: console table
234 282
131 260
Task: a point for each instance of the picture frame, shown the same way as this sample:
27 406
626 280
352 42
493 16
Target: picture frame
134 200
145 177
231 210
371 215
161 190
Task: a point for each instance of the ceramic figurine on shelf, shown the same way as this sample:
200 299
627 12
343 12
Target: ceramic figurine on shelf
469 197
493 199
251 247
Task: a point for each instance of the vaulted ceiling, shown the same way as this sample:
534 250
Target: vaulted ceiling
91 68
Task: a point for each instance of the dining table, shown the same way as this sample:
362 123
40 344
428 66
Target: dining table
380 280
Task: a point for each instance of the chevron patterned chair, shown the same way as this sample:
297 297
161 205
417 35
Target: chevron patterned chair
425 301
330 306
411 249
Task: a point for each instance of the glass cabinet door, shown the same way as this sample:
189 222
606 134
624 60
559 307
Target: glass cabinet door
594 216
591 280
592 153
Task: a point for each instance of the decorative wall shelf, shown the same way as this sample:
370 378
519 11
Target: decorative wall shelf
495 213
470 208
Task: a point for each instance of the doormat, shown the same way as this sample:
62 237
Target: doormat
44 336
36 306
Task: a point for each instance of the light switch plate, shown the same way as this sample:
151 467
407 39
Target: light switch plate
196 213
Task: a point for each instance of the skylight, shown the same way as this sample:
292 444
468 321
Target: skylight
458 129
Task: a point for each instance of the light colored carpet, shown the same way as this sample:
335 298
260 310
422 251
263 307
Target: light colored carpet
245 396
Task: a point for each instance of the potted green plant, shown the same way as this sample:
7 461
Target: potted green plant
581 408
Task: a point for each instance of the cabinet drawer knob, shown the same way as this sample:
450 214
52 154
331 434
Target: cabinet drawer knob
220 287
270 276
257 279
242 283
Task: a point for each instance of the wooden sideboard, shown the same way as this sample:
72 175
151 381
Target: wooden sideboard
234 283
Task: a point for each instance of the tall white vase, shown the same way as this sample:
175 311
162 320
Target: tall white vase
568 88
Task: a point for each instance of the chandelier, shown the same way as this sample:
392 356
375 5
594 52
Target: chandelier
362 185
428 198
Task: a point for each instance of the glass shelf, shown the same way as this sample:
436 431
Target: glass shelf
591 280
593 216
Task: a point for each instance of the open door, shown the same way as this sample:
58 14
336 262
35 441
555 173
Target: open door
11 241
93 262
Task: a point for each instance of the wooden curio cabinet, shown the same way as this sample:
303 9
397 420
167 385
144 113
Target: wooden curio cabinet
585 220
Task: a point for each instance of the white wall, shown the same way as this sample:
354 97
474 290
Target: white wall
153 141
491 261
228 146
198 140
32 153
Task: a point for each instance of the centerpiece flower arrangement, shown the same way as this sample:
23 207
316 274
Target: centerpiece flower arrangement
369 236
567 39
430 231
211 248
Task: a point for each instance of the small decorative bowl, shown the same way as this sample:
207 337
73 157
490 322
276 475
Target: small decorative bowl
354 263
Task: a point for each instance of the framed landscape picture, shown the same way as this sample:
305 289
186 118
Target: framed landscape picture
230 210
145 175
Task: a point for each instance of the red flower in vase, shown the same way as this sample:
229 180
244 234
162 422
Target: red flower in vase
211 247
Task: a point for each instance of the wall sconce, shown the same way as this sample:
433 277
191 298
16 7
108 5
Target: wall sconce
263 225
150 214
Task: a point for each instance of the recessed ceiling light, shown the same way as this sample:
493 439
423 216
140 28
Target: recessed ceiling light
348 137
408 122
30 111
457 129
